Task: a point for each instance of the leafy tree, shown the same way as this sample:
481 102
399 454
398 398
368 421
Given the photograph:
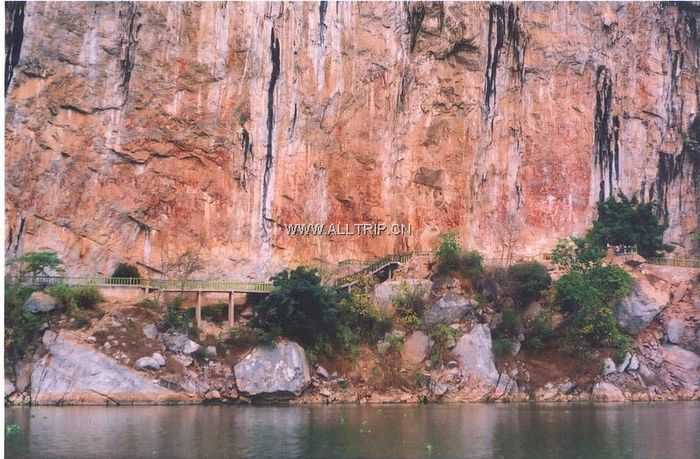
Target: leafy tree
577 253
622 221
526 281
448 253
126 270
21 327
38 263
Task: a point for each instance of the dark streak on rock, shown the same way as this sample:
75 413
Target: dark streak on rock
18 239
14 34
415 13
322 8
606 133
247 149
293 124
275 57
129 47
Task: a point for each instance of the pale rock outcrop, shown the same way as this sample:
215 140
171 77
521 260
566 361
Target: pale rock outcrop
449 308
415 349
178 342
9 388
40 302
607 392
147 363
279 371
385 292
675 329
74 373
608 366
150 331
475 356
640 307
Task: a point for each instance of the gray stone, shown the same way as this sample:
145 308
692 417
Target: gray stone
184 360
607 392
415 348
515 347
473 351
210 352
146 363
451 307
385 292
40 302
74 373
682 365
247 312
625 363
437 388
674 330
150 331
280 370
9 388
325 392
634 364
322 372
639 308
158 357
608 367
177 342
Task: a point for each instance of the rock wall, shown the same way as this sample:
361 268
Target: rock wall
134 131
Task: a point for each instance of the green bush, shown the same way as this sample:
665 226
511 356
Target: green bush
526 281
84 297
441 335
410 304
177 318
371 324
600 284
622 221
510 323
451 258
502 347
540 330
126 270
37 263
21 327
577 253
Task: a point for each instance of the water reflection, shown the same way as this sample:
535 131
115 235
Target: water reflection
670 430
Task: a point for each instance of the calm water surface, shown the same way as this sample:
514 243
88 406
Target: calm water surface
664 431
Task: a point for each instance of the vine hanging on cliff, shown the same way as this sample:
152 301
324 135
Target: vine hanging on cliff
606 133
14 34
274 75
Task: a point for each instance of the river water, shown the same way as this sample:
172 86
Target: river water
660 430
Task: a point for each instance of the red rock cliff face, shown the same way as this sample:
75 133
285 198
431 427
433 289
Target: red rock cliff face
138 130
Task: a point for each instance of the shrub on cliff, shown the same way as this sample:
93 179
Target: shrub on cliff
526 281
451 258
622 221
21 327
84 297
37 263
410 302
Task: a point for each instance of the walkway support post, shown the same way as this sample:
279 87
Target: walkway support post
231 310
198 310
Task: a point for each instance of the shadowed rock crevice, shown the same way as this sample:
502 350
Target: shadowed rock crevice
129 41
267 175
247 150
606 134
14 34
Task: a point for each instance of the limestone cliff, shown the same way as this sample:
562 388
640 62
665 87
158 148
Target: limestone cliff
135 129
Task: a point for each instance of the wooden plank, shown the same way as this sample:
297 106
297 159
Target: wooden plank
231 310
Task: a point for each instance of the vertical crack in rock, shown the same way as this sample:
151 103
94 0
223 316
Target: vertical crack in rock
504 29
606 133
415 13
14 34
275 57
292 125
129 47
13 242
674 101
404 87
322 8
247 149
672 167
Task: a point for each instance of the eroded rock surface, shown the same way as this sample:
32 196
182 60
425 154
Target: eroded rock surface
475 356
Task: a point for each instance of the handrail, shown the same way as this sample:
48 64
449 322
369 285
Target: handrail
681 262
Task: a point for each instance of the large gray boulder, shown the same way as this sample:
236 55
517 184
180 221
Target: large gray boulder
639 308
675 328
40 302
415 349
277 371
450 308
385 292
75 373
607 392
682 366
473 351
177 342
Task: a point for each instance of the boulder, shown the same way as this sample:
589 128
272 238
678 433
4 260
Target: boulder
606 392
322 372
473 351
415 348
640 307
75 373
387 290
9 388
278 371
450 308
675 328
147 363
158 357
40 302
150 331
210 352
178 342
622 367
682 365
634 364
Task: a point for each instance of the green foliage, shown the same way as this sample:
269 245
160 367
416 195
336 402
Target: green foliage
21 327
502 346
410 304
595 325
149 303
371 324
126 270
599 284
510 323
177 318
540 330
526 281
84 297
622 221
577 253
441 335
38 263
245 337
451 258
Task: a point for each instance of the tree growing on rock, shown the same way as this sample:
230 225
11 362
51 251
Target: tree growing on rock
37 264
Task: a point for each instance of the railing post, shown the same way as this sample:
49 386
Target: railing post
198 310
231 310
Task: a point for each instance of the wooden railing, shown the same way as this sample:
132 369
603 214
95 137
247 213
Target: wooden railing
679 262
